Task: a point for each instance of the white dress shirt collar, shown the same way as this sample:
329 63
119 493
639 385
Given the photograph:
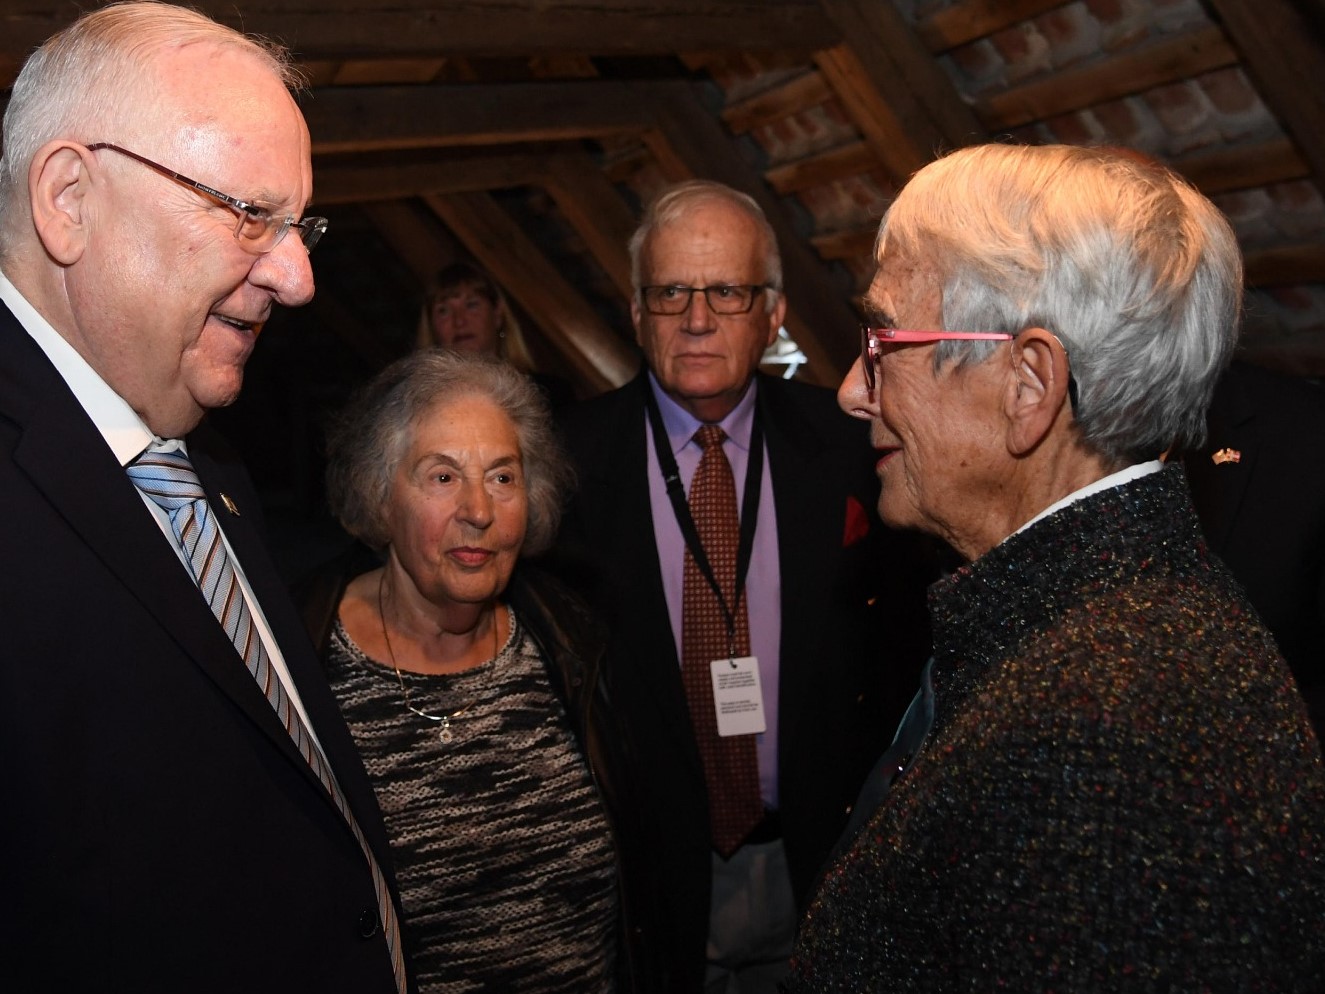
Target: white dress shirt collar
681 425
1133 472
121 427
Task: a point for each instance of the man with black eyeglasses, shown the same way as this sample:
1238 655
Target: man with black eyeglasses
726 519
183 807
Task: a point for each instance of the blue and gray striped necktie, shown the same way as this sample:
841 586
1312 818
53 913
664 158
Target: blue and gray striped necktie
168 479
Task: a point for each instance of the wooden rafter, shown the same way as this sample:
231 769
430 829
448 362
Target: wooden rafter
796 94
964 22
356 29
1286 265
901 74
360 179
1282 49
373 118
1135 71
424 248
597 354
595 210
824 167
1242 167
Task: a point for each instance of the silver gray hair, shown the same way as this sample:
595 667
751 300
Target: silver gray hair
1137 273
675 202
366 443
75 85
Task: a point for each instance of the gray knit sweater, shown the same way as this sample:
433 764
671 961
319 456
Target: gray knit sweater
1120 791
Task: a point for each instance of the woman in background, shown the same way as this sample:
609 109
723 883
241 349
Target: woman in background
473 684
465 310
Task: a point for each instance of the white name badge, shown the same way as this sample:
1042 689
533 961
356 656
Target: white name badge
738 697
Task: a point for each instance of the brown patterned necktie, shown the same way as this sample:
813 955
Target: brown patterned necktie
731 768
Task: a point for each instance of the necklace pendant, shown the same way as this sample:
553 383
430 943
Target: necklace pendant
444 733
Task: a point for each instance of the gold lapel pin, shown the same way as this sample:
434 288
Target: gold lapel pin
229 505
1226 455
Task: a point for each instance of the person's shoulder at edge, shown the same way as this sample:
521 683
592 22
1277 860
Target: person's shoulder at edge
1274 387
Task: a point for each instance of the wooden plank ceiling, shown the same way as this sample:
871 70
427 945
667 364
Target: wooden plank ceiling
527 136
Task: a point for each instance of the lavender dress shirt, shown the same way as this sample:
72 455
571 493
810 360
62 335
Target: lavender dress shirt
763 584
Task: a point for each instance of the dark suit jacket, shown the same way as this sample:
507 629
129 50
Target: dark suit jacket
1264 514
847 666
161 832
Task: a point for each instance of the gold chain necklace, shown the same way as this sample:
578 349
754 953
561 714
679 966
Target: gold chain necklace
444 732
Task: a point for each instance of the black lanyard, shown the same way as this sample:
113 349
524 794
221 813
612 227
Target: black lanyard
754 471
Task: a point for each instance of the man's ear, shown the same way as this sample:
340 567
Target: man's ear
635 315
776 317
1037 388
58 190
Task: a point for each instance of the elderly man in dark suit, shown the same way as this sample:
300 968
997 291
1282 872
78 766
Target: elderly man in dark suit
1258 483
754 710
184 808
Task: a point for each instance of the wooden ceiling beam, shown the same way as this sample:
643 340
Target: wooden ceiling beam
1243 167
364 29
1169 61
818 315
1281 48
595 210
342 179
372 118
671 164
777 102
899 148
962 23
334 318
424 247
1286 266
905 106
834 164
902 76
599 356
846 243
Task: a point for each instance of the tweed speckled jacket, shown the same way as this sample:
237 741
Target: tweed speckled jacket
1120 791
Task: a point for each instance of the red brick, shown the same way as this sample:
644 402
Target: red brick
813 198
834 112
884 183
1248 211
1229 91
720 73
1294 298
1178 108
1177 15
1122 22
1029 134
978 61
1072 35
1118 119
867 196
1240 203
1025 50
1106 11
820 130
1012 44
924 8
1298 195
840 209
1072 129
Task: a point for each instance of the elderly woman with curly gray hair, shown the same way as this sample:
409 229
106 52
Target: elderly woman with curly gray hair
473 685
1107 781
